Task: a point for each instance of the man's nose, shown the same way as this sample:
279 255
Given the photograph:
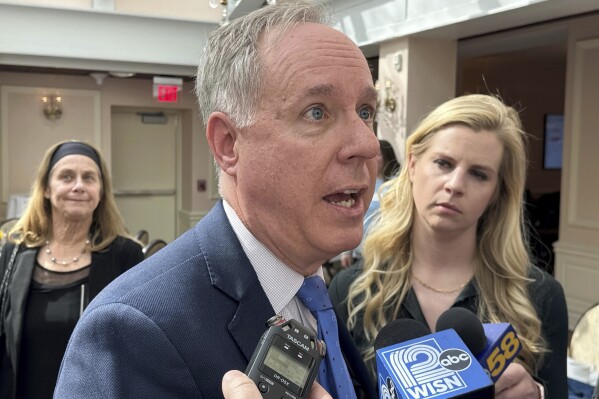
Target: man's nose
361 142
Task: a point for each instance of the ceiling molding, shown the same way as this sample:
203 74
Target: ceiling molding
69 38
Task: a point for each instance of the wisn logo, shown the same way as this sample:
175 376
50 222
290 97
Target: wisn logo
425 370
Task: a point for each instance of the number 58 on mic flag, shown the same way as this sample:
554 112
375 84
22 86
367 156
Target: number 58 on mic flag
502 348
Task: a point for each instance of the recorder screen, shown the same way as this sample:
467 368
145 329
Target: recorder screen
280 362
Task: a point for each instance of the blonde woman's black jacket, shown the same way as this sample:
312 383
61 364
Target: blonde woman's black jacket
547 297
122 254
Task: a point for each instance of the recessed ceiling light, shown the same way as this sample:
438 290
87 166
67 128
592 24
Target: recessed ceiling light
121 74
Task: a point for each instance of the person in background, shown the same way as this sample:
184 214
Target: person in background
289 105
68 245
451 234
387 167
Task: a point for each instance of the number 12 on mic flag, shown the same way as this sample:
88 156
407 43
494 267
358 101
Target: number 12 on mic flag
438 366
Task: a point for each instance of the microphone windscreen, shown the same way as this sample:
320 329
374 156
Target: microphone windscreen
467 325
400 330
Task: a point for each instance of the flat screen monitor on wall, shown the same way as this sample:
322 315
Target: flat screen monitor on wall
554 138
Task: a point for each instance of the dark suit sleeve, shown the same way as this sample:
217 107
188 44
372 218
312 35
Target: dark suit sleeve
550 303
116 351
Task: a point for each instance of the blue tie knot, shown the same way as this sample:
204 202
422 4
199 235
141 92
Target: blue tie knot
314 295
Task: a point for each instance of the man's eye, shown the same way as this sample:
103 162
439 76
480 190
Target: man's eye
315 113
366 113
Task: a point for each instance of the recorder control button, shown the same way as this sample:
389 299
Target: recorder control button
263 387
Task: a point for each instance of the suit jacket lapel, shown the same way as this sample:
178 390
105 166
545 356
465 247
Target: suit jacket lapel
355 364
232 273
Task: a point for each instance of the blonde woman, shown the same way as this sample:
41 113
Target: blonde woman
450 234
68 245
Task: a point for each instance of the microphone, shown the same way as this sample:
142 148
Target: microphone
414 364
499 345
467 325
400 330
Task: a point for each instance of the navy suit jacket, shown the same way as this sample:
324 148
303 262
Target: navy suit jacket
173 325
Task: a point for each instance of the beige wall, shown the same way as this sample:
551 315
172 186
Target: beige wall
24 126
533 85
577 251
87 116
53 3
422 72
187 9
176 9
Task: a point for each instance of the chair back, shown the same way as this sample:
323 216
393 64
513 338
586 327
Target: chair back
143 236
5 227
153 247
584 346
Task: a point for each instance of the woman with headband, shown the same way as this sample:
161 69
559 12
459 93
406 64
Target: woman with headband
68 245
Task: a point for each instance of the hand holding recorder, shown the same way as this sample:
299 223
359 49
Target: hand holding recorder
237 385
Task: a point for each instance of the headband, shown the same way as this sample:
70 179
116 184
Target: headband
74 148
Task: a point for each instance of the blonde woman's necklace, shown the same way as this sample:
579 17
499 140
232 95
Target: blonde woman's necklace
65 262
437 290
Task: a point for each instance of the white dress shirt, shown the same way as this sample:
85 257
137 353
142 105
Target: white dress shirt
279 281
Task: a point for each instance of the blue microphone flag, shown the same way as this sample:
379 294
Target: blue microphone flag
436 366
502 348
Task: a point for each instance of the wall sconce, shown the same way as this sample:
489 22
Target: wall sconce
386 98
52 107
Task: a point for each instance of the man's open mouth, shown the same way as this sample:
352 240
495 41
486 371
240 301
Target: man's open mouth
346 198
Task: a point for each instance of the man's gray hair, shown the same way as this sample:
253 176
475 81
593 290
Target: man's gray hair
231 72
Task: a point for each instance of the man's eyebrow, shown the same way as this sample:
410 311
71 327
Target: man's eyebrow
321 90
370 94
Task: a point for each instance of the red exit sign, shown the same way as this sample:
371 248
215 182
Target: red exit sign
167 94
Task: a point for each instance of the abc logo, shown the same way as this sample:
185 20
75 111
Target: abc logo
455 359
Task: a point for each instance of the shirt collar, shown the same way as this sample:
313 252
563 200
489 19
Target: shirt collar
279 281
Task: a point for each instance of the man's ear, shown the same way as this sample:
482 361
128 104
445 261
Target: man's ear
221 134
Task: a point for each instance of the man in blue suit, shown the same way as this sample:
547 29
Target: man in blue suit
289 104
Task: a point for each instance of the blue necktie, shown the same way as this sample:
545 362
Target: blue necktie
333 374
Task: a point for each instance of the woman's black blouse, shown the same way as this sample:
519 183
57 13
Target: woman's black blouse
53 309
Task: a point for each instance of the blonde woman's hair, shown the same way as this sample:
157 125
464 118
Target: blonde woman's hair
502 254
35 225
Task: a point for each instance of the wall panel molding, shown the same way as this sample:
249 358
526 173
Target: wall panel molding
576 269
188 219
586 61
